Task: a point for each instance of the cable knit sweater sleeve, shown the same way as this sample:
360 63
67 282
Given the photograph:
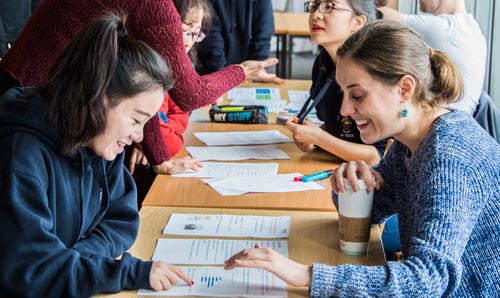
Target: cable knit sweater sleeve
160 27
156 22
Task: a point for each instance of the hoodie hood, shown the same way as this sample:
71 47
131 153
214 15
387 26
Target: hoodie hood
23 110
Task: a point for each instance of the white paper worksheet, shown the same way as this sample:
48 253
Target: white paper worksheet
235 186
215 281
254 93
228 225
242 137
231 169
273 106
208 251
299 96
237 152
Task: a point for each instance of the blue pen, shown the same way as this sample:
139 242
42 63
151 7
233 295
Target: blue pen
317 176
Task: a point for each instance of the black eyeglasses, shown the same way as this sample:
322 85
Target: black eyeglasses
324 7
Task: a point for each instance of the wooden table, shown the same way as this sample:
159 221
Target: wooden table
313 238
192 192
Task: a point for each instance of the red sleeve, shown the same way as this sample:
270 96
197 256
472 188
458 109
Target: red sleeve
160 27
173 124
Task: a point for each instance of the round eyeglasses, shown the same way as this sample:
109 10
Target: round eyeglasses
324 7
194 36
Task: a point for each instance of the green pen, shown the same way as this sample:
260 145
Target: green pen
232 109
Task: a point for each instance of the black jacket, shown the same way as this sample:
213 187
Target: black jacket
13 15
241 30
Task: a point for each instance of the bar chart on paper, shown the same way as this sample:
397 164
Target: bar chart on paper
215 281
209 281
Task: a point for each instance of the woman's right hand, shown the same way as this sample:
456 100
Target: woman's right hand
303 134
163 276
351 170
252 69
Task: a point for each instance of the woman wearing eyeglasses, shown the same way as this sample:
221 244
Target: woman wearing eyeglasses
195 15
330 24
157 23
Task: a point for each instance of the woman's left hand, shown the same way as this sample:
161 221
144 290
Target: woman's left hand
352 170
137 157
294 273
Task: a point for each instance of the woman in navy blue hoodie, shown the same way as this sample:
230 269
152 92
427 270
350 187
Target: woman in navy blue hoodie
67 203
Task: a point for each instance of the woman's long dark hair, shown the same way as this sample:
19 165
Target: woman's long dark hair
101 67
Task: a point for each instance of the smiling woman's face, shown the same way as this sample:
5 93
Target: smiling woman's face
125 123
374 106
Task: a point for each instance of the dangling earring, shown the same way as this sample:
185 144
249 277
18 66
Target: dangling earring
404 112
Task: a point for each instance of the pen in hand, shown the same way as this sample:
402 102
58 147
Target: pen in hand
315 176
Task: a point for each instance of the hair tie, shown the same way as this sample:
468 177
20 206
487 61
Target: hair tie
122 32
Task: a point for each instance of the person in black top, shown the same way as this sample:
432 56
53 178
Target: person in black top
331 23
241 30
13 15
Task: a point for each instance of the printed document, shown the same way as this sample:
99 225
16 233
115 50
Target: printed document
262 94
232 169
234 186
273 106
299 96
208 251
237 152
242 137
215 281
222 225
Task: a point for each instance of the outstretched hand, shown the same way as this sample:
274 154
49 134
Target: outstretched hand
253 68
296 274
265 77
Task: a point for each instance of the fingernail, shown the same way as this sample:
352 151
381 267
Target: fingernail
192 282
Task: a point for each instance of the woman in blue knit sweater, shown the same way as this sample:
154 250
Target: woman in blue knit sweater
441 175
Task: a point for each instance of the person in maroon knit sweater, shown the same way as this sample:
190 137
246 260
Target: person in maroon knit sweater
195 14
157 23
